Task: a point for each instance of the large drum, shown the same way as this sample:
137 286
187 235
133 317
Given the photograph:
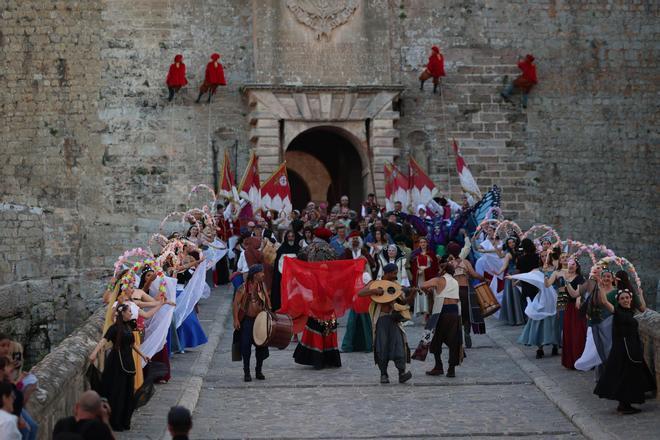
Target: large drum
487 301
272 330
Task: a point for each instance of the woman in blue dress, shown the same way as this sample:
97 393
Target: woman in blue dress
545 331
190 333
512 311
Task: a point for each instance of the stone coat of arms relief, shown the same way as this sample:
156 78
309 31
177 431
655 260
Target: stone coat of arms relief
323 15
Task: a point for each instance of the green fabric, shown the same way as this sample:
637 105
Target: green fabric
358 336
611 297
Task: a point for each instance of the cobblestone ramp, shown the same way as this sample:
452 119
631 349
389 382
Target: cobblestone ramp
490 397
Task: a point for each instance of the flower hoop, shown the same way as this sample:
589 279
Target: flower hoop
184 216
508 228
172 248
129 278
123 259
205 213
494 213
492 222
548 233
199 187
157 238
626 265
581 249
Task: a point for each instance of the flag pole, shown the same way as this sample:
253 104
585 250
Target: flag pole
444 123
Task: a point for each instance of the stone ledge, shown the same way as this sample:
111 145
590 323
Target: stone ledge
649 332
61 374
300 88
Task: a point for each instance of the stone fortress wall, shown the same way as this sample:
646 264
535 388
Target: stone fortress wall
95 156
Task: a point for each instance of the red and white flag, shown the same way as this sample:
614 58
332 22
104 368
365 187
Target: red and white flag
275 192
250 187
468 183
422 188
227 187
396 187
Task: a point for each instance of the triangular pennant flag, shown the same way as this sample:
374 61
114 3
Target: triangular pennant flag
250 187
468 183
275 192
227 187
396 187
422 188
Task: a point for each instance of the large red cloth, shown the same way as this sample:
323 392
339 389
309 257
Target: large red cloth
215 75
322 289
176 77
528 71
436 65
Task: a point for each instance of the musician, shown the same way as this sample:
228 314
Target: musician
251 299
444 325
387 312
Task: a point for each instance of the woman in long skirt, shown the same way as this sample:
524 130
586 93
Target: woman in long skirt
119 372
575 324
627 377
512 311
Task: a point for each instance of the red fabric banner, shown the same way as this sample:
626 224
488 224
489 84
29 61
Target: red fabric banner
226 178
322 289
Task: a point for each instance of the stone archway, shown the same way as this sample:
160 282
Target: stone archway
329 163
312 173
363 115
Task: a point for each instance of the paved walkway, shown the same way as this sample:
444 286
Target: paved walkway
500 391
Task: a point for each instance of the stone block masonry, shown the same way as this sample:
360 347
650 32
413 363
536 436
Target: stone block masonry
94 156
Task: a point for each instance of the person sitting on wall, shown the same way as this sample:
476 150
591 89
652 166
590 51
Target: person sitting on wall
525 82
176 76
213 77
435 69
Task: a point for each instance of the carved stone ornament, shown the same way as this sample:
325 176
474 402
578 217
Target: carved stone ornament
323 15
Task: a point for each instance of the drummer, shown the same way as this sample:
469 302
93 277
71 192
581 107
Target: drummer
251 299
388 311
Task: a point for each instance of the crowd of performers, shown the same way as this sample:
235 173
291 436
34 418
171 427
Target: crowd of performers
384 270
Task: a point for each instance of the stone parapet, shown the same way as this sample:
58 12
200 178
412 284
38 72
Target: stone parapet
61 375
649 331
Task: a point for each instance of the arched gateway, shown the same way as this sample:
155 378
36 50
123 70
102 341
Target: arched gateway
335 139
329 166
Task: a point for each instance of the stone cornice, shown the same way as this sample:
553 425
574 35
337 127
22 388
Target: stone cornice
298 88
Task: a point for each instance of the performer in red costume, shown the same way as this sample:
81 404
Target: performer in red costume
316 290
435 69
524 82
214 77
176 77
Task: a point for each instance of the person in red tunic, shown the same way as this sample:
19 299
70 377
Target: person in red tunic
435 69
214 77
524 82
176 77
